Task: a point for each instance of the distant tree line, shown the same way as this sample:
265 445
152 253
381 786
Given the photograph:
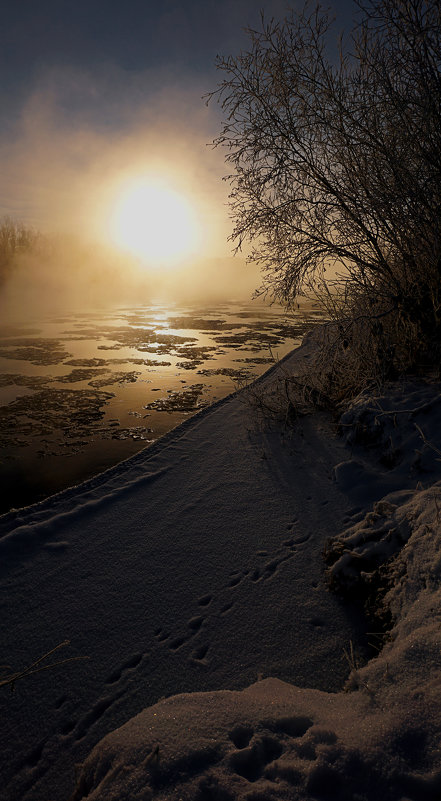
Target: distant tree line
335 170
16 239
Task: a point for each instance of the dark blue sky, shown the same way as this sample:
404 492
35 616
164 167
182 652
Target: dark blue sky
174 38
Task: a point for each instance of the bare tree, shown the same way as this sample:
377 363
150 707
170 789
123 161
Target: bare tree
336 166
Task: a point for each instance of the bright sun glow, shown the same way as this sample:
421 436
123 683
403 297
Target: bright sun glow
155 223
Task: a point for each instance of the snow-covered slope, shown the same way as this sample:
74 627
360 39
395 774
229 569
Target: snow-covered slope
197 566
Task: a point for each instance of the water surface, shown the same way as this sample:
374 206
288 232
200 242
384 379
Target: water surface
81 392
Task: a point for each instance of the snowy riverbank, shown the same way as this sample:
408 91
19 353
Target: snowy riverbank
197 566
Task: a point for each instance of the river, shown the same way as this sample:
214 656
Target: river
84 390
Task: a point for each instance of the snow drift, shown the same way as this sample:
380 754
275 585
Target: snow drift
378 740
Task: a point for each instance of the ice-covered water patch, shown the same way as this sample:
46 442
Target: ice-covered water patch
154 363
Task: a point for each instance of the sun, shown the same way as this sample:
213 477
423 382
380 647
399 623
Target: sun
154 222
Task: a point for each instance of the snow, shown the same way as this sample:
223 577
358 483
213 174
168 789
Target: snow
220 665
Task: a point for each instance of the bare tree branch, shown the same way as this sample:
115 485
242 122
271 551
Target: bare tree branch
337 164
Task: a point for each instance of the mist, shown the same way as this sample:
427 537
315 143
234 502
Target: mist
79 137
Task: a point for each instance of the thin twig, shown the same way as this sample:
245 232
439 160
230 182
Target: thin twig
426 441
37 667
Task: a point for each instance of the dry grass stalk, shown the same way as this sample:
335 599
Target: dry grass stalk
37 667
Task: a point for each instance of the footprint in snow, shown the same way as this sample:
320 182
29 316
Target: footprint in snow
177 640
129 664
237 577
257 750
195 623
205 600
82 727
199 655
226 608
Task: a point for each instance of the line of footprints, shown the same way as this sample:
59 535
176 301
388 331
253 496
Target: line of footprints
206 605
206 602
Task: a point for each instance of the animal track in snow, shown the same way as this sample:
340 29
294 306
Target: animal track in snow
60 701
161 635
258 752
237 577
302 539
102 705
200 653
128 665
294 541
250 762
195 623
37 763
205 600
226 608
241 736
35 755
175 641
268 570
